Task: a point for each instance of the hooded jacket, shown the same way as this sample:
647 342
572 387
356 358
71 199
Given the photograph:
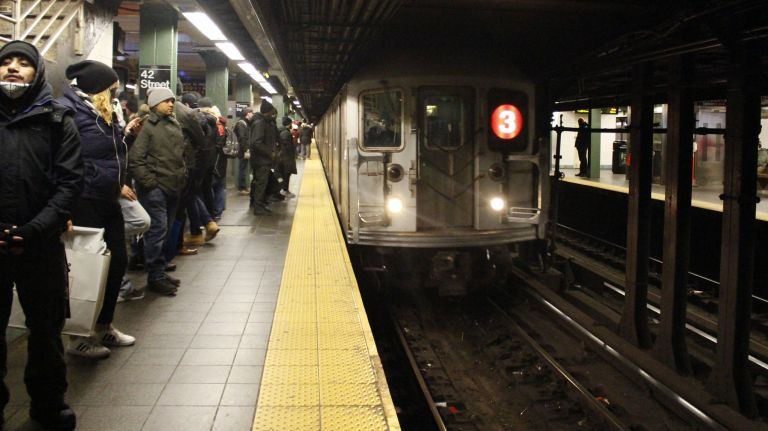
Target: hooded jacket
157 156
41 168
104 152
263 140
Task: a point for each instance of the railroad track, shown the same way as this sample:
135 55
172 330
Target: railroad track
482 365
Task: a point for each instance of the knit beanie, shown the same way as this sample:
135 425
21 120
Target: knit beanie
92 77
287 121
205 102
266 107
18 47
190 98
156 95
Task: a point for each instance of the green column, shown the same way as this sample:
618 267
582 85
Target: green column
216 79
244 89
158 38
594 147
279 103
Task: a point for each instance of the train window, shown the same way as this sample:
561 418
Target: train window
382 120
444 122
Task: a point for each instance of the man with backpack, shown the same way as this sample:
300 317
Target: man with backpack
41 176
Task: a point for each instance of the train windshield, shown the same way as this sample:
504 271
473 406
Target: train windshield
444 122
382 120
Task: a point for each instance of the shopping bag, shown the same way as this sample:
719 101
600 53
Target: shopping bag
88 260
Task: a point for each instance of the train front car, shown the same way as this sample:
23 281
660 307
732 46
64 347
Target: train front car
437 174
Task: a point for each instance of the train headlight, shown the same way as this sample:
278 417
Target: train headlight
497 204
394 205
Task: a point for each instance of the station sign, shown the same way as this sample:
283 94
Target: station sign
152 77
239 107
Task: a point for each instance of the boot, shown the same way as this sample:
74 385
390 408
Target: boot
211 230
62 418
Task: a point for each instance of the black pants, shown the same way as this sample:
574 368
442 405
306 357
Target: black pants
107 215
261 173
583 161
41 282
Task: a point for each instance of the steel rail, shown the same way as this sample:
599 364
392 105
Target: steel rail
587 397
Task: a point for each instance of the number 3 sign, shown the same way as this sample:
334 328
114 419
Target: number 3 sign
506 121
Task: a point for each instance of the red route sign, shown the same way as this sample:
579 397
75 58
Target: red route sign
506 121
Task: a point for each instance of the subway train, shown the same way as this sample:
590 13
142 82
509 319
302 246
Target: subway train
435 168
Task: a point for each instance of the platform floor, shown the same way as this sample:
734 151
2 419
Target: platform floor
707 197
198 359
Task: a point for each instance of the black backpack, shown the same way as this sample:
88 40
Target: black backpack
231 147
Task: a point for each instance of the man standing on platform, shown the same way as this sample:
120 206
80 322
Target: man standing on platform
582 146
263 147
41 176
158 168
241 132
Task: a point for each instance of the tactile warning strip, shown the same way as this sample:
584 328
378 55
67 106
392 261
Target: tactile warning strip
322 370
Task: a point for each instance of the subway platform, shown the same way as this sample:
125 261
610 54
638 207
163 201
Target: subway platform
199 357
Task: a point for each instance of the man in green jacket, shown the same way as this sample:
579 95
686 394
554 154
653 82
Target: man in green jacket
158 168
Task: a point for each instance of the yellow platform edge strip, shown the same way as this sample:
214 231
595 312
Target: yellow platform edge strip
300 292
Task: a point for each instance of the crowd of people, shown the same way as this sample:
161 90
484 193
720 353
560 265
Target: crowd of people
141 173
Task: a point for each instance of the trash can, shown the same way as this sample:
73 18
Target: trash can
619 165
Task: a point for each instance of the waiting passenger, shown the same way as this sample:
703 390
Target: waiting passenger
582 146
157 166
305 140
286 161
241 131
262 145
41 175
105 171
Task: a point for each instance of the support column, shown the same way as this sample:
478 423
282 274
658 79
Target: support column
217 79
278 101
634 319
158 39
670 345
730 379
244 90
595 117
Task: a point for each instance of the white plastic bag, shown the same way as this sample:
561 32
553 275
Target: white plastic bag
88 260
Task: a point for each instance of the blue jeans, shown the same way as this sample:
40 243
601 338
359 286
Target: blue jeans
242 174
161 208
219 196
198 215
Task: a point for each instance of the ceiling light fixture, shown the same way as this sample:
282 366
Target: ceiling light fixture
205 25
230 50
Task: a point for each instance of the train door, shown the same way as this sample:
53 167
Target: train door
446 157
385 195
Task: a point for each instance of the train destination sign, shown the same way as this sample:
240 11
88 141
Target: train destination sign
153 76
506 121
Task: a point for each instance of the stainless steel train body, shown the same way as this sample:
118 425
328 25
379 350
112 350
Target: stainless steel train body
417 158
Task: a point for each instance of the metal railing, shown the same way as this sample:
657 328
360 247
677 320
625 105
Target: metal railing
41 22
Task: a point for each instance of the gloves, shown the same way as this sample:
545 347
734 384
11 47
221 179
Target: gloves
26 232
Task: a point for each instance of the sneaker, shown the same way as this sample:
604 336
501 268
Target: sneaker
194 239
175 281
244 193
287 194
163 287
133 295
259 209
114 338
211 230
170 267
61 418
86 347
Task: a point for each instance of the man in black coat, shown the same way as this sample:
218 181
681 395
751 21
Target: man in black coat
582 146
242 129
263 147
41 176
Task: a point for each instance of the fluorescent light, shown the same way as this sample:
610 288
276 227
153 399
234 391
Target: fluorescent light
230 50
267 86
267 98
206 26
248 68
130 86
259 78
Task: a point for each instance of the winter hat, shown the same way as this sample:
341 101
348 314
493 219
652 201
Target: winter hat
266 107
287 121
246 111
92 77
190 99
156 95
18 47
205 102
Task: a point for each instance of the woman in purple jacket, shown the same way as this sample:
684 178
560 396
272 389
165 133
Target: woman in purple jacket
104 159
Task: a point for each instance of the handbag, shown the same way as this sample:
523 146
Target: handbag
88 260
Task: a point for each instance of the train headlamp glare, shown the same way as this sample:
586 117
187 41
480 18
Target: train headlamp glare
394 205
497 204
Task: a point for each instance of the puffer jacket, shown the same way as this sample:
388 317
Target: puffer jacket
41 168
263 140
157 156
103 149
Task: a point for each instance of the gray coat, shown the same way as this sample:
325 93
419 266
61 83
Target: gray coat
157 157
